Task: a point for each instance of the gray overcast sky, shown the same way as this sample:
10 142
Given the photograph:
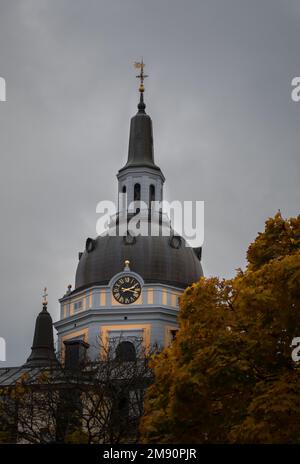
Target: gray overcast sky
225 128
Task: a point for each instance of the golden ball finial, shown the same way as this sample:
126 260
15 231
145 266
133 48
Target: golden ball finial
127 262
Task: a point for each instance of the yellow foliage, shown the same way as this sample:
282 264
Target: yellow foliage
229 376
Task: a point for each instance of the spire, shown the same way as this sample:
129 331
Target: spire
42 350
140 151
141 106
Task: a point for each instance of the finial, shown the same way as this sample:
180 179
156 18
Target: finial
45 302
126 262
140 65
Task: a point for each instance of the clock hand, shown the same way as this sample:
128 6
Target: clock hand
128 290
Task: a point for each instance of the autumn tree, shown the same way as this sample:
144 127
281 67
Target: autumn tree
229 376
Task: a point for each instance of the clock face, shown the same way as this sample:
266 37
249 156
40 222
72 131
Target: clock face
126 289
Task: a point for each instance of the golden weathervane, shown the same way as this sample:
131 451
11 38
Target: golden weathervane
140 65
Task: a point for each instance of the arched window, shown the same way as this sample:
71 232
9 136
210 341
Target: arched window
122 200
151 194
137 192
125 351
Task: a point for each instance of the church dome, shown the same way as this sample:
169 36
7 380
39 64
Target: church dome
158 259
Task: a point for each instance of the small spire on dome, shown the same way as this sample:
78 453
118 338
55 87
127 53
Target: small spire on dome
140 65
42 350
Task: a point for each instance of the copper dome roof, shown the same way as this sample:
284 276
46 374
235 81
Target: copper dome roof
156 259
